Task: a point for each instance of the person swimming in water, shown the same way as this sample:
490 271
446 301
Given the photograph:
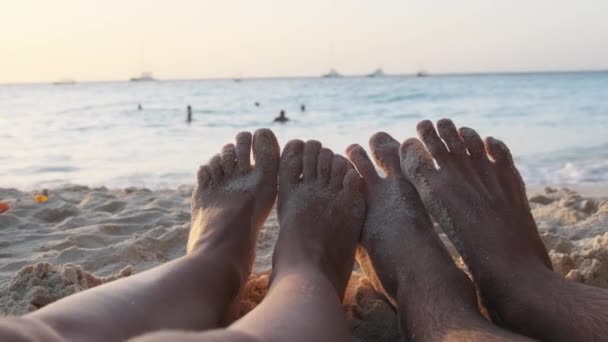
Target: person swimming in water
281 118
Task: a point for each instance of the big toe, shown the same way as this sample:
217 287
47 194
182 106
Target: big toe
290 168
352 180
364 165
339 166
266 152
312 148
385 150
473 143
416 162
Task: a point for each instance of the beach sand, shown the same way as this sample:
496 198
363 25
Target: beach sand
83 237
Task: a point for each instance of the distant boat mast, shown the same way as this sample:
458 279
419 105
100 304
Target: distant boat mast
145 76
331 48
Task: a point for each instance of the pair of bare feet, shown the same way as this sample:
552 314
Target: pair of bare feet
320 206
325 208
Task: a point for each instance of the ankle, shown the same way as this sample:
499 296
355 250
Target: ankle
450 291
508 297
234 267
306 273
431 319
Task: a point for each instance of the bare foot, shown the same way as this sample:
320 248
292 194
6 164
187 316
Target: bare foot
320 211
404 257
396 224
480 203
233 199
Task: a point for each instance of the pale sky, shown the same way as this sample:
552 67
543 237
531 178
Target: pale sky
46 40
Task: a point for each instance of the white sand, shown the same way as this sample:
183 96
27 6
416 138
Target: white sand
84 237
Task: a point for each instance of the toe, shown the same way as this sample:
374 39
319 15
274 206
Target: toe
338 170
266 152
514 188
479 161
449 134
243 151
215 168
416 162
498 151
473 143
385 150
433 143
364 165
352 180
203 176
290 167
228 159
324 165
311 156
509 178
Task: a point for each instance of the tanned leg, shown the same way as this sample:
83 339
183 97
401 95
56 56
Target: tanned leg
320 214
407 261
479 199
194 292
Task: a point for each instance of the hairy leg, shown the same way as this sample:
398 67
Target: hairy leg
406 259
479 199
194 292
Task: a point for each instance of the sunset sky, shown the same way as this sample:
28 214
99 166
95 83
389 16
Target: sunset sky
43 40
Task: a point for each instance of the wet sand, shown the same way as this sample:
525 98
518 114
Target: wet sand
83 237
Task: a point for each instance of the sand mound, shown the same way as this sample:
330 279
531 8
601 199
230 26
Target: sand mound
102 231
575 231
35 286
114 233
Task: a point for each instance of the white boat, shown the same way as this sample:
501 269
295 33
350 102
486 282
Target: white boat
332 74
378 73
65 81
422 73
144 77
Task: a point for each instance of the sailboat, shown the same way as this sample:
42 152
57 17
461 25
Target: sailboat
332 74
422 73
144 77
377 73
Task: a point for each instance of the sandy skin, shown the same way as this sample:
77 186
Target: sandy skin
406 260
478 198
321 213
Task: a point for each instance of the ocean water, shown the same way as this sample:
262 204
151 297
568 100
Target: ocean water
93 134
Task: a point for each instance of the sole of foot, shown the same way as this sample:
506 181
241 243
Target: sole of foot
401 252
231 201
478 198
320 211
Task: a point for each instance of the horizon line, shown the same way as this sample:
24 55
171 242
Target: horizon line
387 75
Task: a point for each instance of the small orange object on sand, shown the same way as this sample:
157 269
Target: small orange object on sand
4 207
41 198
